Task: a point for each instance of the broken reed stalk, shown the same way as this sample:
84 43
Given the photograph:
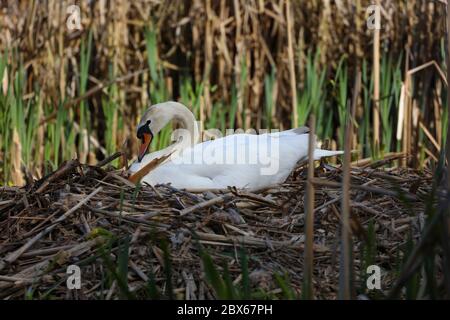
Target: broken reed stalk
404 131
138 175
68 167
407 131
16 153
376 84
447 151
308 292
446 220
345 285
381 191
401 121
205 204
291 64
110 158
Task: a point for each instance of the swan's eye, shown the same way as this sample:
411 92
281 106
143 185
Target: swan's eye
143 129
140 134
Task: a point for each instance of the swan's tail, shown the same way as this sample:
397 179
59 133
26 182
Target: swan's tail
319 153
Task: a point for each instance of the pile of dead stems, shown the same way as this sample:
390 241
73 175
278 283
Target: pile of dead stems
143 241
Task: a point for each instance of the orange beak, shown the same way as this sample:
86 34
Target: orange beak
146 140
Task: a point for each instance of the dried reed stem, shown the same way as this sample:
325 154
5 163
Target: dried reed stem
137 176
291 64
308 292
448 99
16 156
345 291
376 87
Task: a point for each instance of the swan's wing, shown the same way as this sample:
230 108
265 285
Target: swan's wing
295 131
136 166
320 153
241 160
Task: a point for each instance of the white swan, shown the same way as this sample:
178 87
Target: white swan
240 160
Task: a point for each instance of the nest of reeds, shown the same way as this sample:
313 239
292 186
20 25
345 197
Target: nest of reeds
148 242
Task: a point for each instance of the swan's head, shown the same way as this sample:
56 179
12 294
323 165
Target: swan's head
154 119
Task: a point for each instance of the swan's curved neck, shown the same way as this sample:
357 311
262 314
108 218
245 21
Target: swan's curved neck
188 134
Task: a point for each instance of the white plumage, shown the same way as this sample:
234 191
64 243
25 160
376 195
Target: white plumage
240 160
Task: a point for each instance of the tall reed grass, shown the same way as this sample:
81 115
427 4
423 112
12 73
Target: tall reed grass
79 93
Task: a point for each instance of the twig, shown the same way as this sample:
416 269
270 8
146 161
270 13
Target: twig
346 263
58 174
406 195
124 217
137 176
252 241
109 159
376 85
204 204
309 221
447 151
256 198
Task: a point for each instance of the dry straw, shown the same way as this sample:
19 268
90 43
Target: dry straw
81 209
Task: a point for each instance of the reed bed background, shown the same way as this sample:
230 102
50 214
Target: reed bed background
238 64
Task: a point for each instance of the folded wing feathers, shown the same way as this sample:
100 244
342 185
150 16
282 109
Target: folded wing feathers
319 153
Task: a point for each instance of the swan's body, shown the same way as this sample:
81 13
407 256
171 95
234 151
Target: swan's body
240 160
